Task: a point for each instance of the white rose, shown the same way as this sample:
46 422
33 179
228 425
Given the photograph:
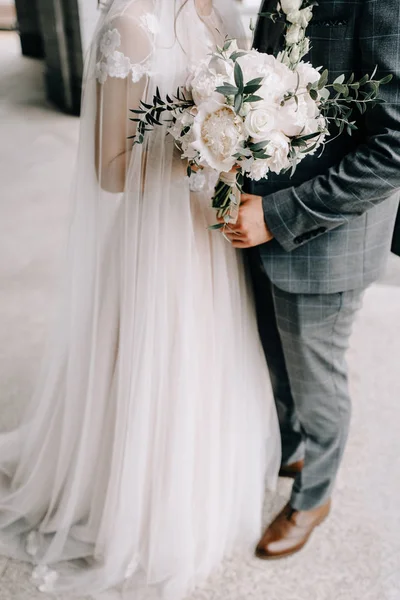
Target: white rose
294 34
259 122
278 148
300 17
289 6
217 135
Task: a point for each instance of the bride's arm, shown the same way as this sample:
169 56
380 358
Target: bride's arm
115 97
204 7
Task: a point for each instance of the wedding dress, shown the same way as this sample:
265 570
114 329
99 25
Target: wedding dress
143 457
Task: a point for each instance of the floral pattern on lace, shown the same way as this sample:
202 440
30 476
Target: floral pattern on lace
150 23
114 63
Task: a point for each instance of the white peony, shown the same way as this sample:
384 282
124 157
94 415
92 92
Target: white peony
278 78
217 133
278 149
307 74
202 83
300 17
292 118
225 68
259 122
294 34
253 65
289 6
258 169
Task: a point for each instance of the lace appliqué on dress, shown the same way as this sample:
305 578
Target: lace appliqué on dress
114 63
150 23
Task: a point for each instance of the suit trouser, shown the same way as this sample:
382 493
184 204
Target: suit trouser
305 338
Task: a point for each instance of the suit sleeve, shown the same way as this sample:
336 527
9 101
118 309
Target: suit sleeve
365 177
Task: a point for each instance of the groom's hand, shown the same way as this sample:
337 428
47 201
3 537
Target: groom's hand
250 229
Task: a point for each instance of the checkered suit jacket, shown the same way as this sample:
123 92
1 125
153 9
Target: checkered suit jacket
333 220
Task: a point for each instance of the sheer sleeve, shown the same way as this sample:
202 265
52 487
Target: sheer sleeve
124 55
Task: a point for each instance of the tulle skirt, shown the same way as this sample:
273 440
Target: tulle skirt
143 458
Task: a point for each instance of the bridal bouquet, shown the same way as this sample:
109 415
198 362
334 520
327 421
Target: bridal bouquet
249 113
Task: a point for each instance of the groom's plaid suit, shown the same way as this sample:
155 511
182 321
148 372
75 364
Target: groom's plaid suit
333 224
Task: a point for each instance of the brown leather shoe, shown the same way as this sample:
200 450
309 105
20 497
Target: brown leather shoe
290 531
292 470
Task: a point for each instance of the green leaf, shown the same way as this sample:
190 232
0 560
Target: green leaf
386 79
251 88
253 98
238 103
309 149
323 80
254 147
216 226
256 81
338 87
227 89
313 94
239 77
310 136
237 55
339 79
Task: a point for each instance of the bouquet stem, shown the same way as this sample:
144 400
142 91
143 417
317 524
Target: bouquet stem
226 199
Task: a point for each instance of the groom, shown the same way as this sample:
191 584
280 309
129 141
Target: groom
317 241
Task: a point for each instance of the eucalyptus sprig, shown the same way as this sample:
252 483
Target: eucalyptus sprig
350 95
149 115
241 92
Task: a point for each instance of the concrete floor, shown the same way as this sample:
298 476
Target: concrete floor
356 555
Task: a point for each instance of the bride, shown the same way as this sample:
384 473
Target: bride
143 457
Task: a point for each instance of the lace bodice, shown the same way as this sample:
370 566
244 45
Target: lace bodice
137 50
117 58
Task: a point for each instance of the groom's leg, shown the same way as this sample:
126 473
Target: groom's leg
315 330
292 440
